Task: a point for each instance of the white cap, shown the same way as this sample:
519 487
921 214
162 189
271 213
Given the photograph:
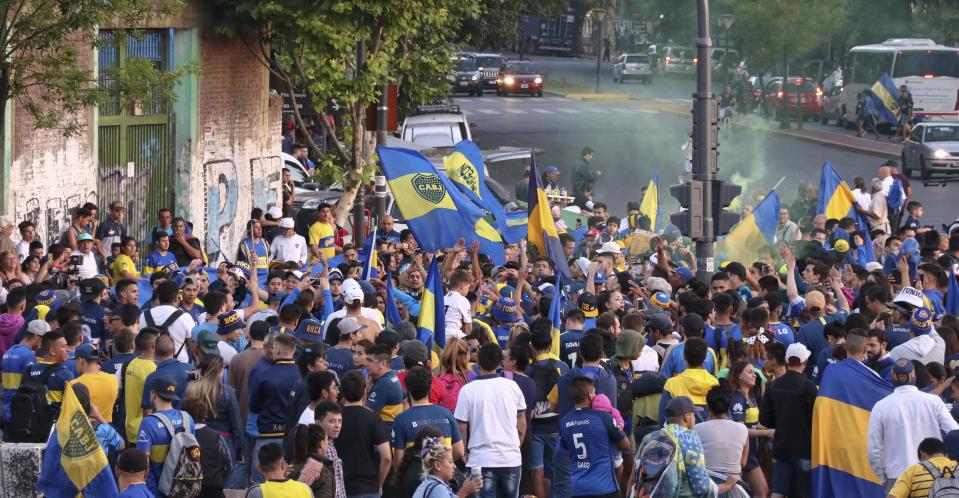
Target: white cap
609 248
873 266
797 350
274 212
658 284
286 223
911 296
583 264
349 325
38 327
351 291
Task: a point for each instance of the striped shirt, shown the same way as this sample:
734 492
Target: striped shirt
916 480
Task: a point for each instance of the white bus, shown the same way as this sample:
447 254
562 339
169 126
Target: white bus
929 70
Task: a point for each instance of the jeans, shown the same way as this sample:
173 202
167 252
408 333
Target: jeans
500 482
541 453
241 471
561 486
256 477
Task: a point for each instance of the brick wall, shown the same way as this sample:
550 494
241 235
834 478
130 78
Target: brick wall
237 166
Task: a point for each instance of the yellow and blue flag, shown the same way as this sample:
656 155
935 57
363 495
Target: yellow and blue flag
517 225
465 168
392 312
650 204
555 315
757 230
837 202
840 427
74 461
432 322
542 229
952 294
886 97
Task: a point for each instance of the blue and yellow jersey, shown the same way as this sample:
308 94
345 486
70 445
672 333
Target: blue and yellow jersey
322 236
386 397
124 263
157 262
56 382
408 423
15 361
259 253
286 488
136 376
155 439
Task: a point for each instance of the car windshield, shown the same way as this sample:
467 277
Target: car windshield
489 61
434 134
636 59
807 86
942 134
464 65
296 173
520 68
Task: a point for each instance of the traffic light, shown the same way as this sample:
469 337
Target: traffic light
723 195
690 219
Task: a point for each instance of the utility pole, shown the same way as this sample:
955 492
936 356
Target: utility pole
598 16
705 140
359 222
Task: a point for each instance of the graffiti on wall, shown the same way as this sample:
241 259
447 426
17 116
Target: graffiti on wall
51 215
117 184
230 198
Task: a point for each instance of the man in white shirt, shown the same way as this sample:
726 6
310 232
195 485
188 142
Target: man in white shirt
459 318
900 421
926 345
289 246
490 412
162 315
28 233
878 213
88 262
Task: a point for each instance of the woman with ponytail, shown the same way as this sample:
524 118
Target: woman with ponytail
746 395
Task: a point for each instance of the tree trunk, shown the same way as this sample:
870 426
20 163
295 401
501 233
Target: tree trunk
354 177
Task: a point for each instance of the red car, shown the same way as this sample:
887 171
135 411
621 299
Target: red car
810 92
519 77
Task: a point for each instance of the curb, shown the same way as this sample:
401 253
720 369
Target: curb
593 96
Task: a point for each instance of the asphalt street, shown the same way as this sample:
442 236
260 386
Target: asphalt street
634 137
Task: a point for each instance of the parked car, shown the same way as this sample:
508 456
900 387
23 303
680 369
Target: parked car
832 107
633 66
436 126
932 147
488 65
519 76
808 91
677 60
467 78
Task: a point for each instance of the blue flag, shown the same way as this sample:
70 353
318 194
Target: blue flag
555 314
952 294
392 312
541 227
837 202
886 97
432 321
465 168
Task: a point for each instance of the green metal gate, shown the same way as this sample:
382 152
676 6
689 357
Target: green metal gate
135 159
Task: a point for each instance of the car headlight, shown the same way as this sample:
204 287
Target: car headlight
508 80
940 154
538 80
475 77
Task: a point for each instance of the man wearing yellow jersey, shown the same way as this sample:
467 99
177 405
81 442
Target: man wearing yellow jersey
277 484
322 233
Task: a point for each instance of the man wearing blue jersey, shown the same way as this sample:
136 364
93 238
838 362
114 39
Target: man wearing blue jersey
422 413
157 429
592 440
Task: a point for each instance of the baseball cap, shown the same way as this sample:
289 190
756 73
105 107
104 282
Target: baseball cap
659 321
349 325
335 275
505 310
583 264
841 245
660 299
242 270
587 304
873 266
87 352
274 213
683 270
38 327
609 248
207 340
84 236
49 299
133 461
286 223
91 287
552 169
797 354
908 299
902 366
815 299
921 321
658 284
415 350
599 277
228 322
165 388
679 406
309 330
352 291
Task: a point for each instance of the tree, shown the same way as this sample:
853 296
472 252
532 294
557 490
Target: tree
344 50
495 26
42 47
937 19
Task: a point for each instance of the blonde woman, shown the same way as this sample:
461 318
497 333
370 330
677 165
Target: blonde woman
438 468
223 410
10 268
454 365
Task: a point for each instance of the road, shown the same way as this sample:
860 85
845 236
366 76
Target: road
633 137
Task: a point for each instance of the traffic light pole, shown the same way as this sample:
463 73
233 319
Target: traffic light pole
704 144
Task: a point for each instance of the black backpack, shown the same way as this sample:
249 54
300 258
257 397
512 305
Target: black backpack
624 388
545 376
30 415
164 327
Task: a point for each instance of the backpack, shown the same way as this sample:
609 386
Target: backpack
182 474
942 486
164 327
30 415
624 389
545 376
657 468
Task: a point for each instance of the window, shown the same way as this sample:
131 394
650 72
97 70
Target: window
941 63
867 67
637 59
942 133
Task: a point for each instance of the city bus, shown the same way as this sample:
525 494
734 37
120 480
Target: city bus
929 70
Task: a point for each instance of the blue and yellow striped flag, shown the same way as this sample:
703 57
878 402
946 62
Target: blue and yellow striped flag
650 204
542 229
837 202
754 232
555 315
840 426
432 322
74 461
465 169
886 97
392 312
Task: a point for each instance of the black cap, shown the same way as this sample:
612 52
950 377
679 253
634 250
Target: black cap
165 388
679 406
91 287
133 461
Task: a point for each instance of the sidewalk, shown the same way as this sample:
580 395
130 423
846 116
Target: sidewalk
883 148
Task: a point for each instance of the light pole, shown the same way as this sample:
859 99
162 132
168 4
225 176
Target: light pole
727 21
598 16
704 142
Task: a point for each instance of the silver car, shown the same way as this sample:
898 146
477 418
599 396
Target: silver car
632 66
932 147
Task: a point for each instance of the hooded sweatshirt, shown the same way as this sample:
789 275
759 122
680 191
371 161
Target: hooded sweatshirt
925 348
693 383
9 326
